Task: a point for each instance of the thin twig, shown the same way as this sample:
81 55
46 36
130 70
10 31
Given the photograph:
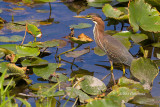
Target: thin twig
75 102
105 77
24 37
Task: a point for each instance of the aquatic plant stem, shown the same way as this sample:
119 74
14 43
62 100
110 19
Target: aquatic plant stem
70 50
24 37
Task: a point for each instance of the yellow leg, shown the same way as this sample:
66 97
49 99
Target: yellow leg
124 71
112 72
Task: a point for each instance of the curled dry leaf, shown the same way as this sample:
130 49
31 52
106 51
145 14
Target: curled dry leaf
82 39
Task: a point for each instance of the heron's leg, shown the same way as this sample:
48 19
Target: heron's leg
124 71
112 72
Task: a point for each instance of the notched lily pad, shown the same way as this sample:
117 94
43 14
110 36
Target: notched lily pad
73 93
92 85
82 39
115 13
145 71
81 26
34 61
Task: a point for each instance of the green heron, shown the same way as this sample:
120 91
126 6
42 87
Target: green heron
114 49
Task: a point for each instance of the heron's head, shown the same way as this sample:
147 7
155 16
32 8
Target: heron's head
92 16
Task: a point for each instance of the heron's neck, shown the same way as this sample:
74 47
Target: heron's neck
98 28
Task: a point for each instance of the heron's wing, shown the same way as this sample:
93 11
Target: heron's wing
116 51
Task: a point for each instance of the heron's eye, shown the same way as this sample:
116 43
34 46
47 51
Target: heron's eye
88 16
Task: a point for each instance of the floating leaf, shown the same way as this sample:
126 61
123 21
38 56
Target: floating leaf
82 39
145 70
115 13
142 15
27 51
33 30
46 102
51 43
14 38
76 54
80 73
73 93
58 78
122 94
92 85
103 103
6 51
146 101
125 82
34 61
18 8
10 47
9 82
139 37
122 0
36 87
44 1
99 51
1 10
45 71
42 11
81 26
123 37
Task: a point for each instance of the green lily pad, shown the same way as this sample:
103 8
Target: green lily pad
46 102
73 93
139 37
92 85
142 15
45 71
59 77
123 0
81 26
33 30
44 1
145 71
1 10
52 43
14 38
103 103
7 81
27 51
115 13
76 54
125 82
34 61
36 87
122 94
10 47
99 51
123 37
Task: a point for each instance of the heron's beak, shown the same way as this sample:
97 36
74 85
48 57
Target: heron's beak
79 16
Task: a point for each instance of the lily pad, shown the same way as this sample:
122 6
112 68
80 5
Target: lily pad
92 85
34 61
36 87
45 71
103 103
10 47
2 54
59 77
14 38
27 51
33 30
122 94
73 93
82 39
125 82
115 13
142 15
145 71
76 54
123 37
99 51
81 26
139 37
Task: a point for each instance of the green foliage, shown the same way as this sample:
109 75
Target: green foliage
80 26
142 15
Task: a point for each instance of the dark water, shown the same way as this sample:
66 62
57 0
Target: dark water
63 17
